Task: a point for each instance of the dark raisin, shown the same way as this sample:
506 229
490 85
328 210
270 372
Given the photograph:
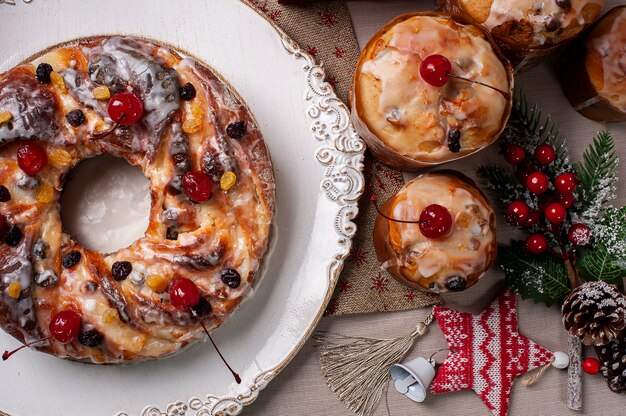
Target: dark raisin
90 286
454 140
121 269
231 277
456 283
564 4
71 259
25 294
212 166
187 92
39 249
75 117
27 182
552 24
14 236
236 129
5 195
46 278
43 72
91 338
171 234
30 325
202 308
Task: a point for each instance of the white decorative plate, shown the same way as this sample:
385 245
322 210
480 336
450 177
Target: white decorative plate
318 166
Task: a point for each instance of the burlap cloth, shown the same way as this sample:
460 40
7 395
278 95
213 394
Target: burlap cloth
325 30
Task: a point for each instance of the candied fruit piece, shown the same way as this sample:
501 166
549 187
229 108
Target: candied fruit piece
101 93
192 125
228 180
60 158
14 290
463 220
157 283
429 146
57 81
45 193
111 316
5 116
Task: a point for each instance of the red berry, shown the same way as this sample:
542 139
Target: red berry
31 158
522 176
197 185
65 326
591 366
545 154
434 70
533 219
565 183
567 200
184 293
579 234
555 213
125 108
537 182
536 243
435 221
515 154
518 210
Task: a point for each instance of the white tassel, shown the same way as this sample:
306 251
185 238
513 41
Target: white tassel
357 370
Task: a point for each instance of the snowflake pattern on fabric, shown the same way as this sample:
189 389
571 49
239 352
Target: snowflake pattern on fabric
486 352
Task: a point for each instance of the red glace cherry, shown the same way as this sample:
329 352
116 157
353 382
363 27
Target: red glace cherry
545 154
518 212
31 158
515 154
567 200
198 186
436 70
555 213
591 366
125 108
536 243
579 234
565 183
435 221
64 327
537 182
184 295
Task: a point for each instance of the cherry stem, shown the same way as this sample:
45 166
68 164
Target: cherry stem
235 375
8 354
505 94
105 133
373 200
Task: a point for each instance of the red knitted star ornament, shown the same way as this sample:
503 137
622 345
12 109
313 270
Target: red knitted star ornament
486 352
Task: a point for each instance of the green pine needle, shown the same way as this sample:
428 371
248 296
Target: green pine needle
542 278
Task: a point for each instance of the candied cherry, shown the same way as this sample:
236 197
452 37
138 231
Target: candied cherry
32 158
184 293
536 243
515 154
555 213
537 182
198 186
434 70
579 234
518 211
545 154
565 183
125 108
435 221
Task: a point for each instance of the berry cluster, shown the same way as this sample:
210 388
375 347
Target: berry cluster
553 199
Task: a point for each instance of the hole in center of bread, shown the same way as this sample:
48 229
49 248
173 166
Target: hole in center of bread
105 204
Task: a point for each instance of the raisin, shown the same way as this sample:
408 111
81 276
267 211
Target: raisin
75 118
90 286
456 283
231 278
187 92
39 249
27 182
46 278
43 73
71 259
552 24
212 166
171 234
121 269
236 129
564 4
90 338
5 195
454 140
202 308
14 236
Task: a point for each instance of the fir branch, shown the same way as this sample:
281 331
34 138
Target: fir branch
606 258
500 184
598 177
540 277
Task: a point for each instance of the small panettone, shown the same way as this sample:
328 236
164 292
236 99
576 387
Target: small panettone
595 312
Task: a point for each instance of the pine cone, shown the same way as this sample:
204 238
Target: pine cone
595 312
613 359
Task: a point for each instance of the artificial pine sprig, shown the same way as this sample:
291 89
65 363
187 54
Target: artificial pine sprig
560 205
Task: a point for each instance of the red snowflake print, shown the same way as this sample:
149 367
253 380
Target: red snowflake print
275 14
313 51
343 286
328 18
262 6
332 309
410 295
339 52
380 283
358 256
332 81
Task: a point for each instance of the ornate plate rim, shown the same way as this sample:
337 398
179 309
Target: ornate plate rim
341 152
